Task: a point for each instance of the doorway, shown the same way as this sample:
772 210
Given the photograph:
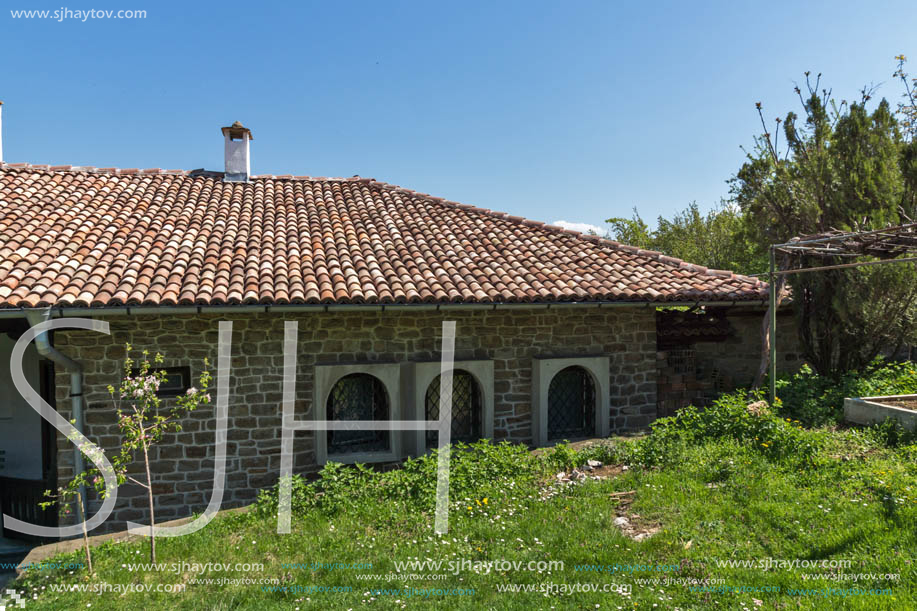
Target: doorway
28 465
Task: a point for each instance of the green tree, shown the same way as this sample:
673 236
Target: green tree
633 231
843 167
718 239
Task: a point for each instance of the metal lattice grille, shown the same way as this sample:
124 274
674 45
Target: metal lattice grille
682 361
466 408
571 404
358 396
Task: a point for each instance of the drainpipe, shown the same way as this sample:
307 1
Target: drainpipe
45 349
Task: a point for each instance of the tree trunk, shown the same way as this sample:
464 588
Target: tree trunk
149 490
779 285
82 516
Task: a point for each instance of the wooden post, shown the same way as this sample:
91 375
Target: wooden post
772 312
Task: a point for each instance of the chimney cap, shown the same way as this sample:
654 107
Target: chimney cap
237 131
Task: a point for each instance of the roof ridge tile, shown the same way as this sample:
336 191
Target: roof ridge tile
88 169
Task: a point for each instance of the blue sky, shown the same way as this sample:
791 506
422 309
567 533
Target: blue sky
572 111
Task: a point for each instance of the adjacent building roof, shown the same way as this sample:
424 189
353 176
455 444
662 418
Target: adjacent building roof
87 237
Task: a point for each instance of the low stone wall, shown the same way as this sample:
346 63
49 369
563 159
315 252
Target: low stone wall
183 462
868 411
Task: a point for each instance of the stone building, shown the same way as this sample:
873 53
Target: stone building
556 331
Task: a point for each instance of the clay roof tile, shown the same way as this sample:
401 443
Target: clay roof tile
84 236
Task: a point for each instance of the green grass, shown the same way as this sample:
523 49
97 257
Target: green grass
725 484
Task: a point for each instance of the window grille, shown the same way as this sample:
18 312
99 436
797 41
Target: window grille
466 408
358 396
571 404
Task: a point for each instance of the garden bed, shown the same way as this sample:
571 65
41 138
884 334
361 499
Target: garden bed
910 404
874 410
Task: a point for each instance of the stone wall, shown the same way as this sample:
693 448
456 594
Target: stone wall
698 372
737 359
183 463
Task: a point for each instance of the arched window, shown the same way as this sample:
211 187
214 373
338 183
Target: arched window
358 396
571 404
466 408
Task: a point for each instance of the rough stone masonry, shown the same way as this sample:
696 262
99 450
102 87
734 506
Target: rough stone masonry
183 462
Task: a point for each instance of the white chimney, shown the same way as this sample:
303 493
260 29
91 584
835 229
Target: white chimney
1 131
236 139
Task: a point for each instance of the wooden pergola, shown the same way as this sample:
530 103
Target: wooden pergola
889 245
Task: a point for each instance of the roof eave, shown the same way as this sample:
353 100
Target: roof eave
66 311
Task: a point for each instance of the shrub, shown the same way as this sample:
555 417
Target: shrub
891 434
819 400
562 457
476 470
728 418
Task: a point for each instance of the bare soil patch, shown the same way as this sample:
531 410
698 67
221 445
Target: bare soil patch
910 404
632 525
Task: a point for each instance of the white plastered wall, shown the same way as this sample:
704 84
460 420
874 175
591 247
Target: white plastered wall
20 425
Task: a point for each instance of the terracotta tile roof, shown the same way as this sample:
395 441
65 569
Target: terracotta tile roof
104 237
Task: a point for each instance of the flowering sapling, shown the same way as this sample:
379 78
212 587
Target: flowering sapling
142 421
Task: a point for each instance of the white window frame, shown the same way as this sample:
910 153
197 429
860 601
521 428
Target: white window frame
326 376
419 376
543 372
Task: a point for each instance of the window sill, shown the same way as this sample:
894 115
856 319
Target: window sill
363 457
